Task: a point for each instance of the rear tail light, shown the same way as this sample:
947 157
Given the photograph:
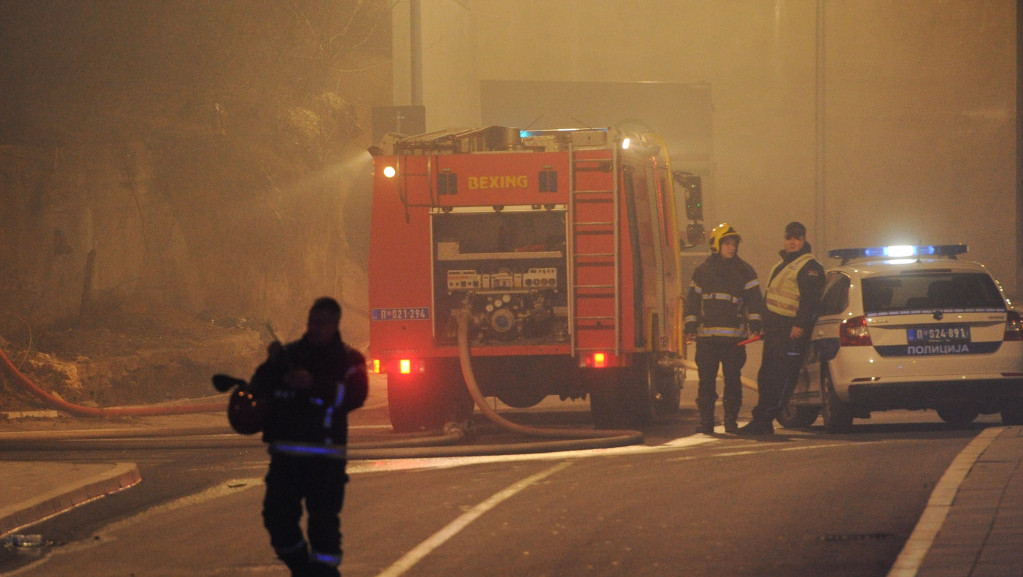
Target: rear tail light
598 360
405 366
854 333
1013 327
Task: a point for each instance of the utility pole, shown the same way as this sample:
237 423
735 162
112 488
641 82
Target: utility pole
416 42
820 174
1019 149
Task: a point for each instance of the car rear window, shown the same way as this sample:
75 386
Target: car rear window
930 290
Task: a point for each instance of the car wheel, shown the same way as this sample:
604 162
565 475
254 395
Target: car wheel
797 416
961 414
837 413
1012 412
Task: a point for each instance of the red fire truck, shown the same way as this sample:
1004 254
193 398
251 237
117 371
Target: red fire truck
561 247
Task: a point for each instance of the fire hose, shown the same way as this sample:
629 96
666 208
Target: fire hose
425 446
83 411
614 438
567 439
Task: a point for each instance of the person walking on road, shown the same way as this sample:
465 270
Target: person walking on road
792 294
309 387
722 307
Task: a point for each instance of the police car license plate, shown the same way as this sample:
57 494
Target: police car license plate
938 334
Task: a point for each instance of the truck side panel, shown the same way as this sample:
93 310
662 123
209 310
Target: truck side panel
401 312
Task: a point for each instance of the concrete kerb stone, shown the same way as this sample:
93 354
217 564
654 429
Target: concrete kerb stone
50 489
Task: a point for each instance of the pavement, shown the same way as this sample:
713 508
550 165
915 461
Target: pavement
972 526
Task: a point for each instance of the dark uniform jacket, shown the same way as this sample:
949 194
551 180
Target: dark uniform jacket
811 283
723 297
312 421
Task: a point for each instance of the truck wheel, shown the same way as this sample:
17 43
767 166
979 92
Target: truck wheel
669 390
404 405
606 406
429 400
639 389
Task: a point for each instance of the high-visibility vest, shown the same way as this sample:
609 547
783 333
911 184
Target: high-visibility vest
783 290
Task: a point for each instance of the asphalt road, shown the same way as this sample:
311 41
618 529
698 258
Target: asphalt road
800 503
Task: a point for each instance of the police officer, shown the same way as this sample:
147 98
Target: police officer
723 299
309 387
793 292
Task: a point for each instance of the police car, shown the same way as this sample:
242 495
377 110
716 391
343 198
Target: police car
910 327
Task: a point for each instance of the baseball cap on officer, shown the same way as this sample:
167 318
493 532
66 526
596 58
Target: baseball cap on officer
795 229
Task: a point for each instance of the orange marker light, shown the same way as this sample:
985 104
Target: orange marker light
405 366
599 360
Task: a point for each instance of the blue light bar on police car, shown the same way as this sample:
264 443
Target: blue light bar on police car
899 251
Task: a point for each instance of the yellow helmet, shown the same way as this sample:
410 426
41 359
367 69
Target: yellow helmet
721 232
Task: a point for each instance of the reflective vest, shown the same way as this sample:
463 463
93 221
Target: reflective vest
783 290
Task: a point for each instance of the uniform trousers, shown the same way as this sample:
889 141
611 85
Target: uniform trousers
711 353
318 481
779 370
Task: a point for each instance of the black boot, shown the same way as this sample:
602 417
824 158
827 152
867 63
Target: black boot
756 427
731 416
706 408
297 562
323 570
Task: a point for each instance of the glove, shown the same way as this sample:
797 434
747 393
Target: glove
756 327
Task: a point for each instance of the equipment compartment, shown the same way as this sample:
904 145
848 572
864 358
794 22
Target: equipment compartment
507 266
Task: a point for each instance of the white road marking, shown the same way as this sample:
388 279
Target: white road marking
440 537
383 465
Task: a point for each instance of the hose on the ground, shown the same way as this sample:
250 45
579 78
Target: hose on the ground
19 378
568 439
416 447
613 437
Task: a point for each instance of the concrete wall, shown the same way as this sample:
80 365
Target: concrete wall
873 122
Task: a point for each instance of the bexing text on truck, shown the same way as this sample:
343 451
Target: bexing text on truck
561 246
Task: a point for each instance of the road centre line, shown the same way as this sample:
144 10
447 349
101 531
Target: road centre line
420 551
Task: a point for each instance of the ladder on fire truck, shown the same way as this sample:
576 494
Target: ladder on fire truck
593 247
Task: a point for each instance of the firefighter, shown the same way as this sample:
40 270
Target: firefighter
722 308
309 387
792 294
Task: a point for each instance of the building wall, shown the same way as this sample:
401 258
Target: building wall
910 137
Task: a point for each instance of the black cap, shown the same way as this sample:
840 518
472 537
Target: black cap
796 229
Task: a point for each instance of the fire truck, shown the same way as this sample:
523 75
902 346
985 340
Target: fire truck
561 248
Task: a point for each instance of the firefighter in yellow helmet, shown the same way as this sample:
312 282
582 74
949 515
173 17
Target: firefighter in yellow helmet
792 294
723 306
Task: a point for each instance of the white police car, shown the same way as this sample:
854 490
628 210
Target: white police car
910 327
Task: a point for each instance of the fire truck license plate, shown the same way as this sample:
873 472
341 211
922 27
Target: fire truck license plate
402 314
